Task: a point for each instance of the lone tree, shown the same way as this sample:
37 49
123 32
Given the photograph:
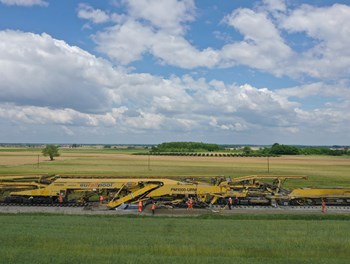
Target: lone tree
51 151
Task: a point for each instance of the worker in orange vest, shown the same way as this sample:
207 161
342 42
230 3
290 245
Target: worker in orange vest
60 199
324 208
140 206
229 203
190 203
153 207
101 199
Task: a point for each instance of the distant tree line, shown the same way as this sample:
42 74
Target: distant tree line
280 149
204 154
324 151
185 147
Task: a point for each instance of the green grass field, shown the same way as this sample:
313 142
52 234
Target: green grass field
35 238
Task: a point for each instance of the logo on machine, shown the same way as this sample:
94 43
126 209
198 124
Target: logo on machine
95 185
183 189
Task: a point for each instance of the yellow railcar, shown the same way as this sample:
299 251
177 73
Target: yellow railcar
250 190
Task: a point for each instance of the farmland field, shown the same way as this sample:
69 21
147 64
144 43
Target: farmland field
321 170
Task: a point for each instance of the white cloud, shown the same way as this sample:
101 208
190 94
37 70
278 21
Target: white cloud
47 82
85 89
275 5
67 131
246 21
337 90
330 57
126 42
145 121
176 50
25 2
168 15
262 47
234 126
66 116
265 32
96 16
162 36
249 106
317 118
42 71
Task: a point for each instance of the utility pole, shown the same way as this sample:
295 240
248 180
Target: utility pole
149 162
38 160
268 164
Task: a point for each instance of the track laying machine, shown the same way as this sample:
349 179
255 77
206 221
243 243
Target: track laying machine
250 190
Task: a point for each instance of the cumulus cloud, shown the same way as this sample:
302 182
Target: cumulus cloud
169 49
316 120
42 71
145 121
117 40
275 5
66 116
69 86
163 35
48 82
338 89
236 125
25 2
330 57
159 14
97 16
262 49
265 30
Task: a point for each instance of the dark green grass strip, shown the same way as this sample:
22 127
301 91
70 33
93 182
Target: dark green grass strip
40 238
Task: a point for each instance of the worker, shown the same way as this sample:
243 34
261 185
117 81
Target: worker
101 199
153 208
236 201
190 204
140 206
60 199
230 203
324 208
110 197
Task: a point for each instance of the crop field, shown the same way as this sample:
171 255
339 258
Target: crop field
57 238
35 238
321 170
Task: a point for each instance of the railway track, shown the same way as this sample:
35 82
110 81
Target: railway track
289 207
47 205
214 207
94 208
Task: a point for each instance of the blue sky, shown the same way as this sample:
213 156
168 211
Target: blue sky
149 71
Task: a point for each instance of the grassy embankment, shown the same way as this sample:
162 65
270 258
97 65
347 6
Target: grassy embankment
34 238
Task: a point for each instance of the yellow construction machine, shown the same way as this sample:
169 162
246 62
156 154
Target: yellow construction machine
122 192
